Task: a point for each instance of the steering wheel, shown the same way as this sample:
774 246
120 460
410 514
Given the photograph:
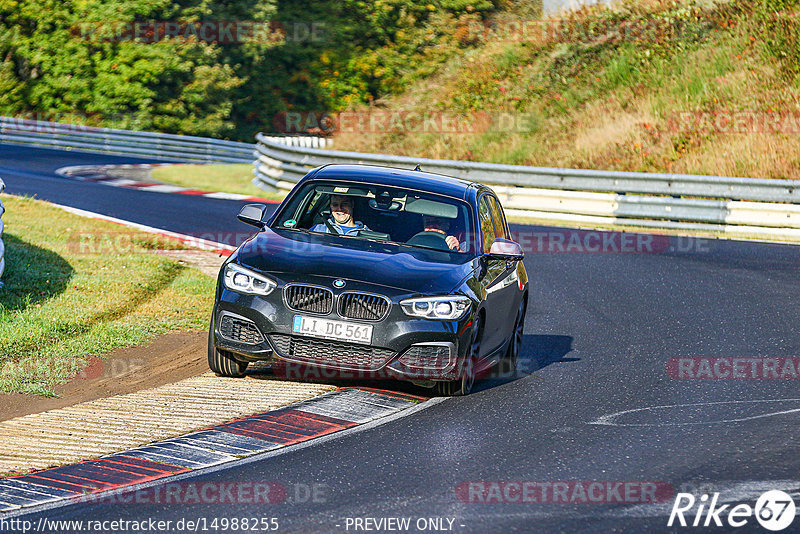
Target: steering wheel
429 238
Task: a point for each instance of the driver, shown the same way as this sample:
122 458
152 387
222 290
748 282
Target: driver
341 221
442 226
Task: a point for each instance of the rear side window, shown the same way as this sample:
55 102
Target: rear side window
487 225
499 218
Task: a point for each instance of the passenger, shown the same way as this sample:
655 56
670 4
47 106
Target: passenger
342 220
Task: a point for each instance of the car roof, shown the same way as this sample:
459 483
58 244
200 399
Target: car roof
403 178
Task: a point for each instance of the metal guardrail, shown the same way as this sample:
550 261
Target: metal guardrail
2 246
297 160
759 206
183 148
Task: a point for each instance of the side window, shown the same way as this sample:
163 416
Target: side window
499 219
487 226
305 212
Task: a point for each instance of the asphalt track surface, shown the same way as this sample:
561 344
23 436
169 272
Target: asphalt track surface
600 330
31 171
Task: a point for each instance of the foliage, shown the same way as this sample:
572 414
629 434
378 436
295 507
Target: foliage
73 58
641 85
360 52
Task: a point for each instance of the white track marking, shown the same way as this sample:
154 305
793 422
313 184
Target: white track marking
609 420
203 244
155 188
227 196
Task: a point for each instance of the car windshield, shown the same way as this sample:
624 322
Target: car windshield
401 216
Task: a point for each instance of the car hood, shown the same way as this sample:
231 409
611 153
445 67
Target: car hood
399 267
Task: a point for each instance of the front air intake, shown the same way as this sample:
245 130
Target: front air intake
240 330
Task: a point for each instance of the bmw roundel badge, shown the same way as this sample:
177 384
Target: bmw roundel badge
339 284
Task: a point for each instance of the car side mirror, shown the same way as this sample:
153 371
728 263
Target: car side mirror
253 214
505 249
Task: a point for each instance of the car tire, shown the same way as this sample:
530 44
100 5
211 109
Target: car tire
508 365
463 386
222 362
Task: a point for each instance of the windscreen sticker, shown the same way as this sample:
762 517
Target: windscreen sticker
291 223
341 189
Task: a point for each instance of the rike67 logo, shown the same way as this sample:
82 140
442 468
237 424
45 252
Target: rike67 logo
774 510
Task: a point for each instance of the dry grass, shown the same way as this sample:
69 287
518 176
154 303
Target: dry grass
612 104
224 178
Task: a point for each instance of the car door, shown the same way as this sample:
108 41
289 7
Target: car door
509 283
492 274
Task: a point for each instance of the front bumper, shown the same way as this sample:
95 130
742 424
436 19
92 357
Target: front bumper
402 347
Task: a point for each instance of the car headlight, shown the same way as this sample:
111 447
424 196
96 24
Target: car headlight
445 308
242 280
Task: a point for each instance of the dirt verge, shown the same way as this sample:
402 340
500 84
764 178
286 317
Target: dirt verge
166 359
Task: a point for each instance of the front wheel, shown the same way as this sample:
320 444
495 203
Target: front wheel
508 365
221 362
464 385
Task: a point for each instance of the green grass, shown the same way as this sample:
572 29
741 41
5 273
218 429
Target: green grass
232 178
77 287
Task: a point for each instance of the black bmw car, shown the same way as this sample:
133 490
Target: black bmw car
375 272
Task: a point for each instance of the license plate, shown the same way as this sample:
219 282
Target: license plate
327 329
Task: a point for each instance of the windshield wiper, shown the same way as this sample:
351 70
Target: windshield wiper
449 251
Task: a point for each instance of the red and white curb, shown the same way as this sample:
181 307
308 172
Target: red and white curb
313 418
99 174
